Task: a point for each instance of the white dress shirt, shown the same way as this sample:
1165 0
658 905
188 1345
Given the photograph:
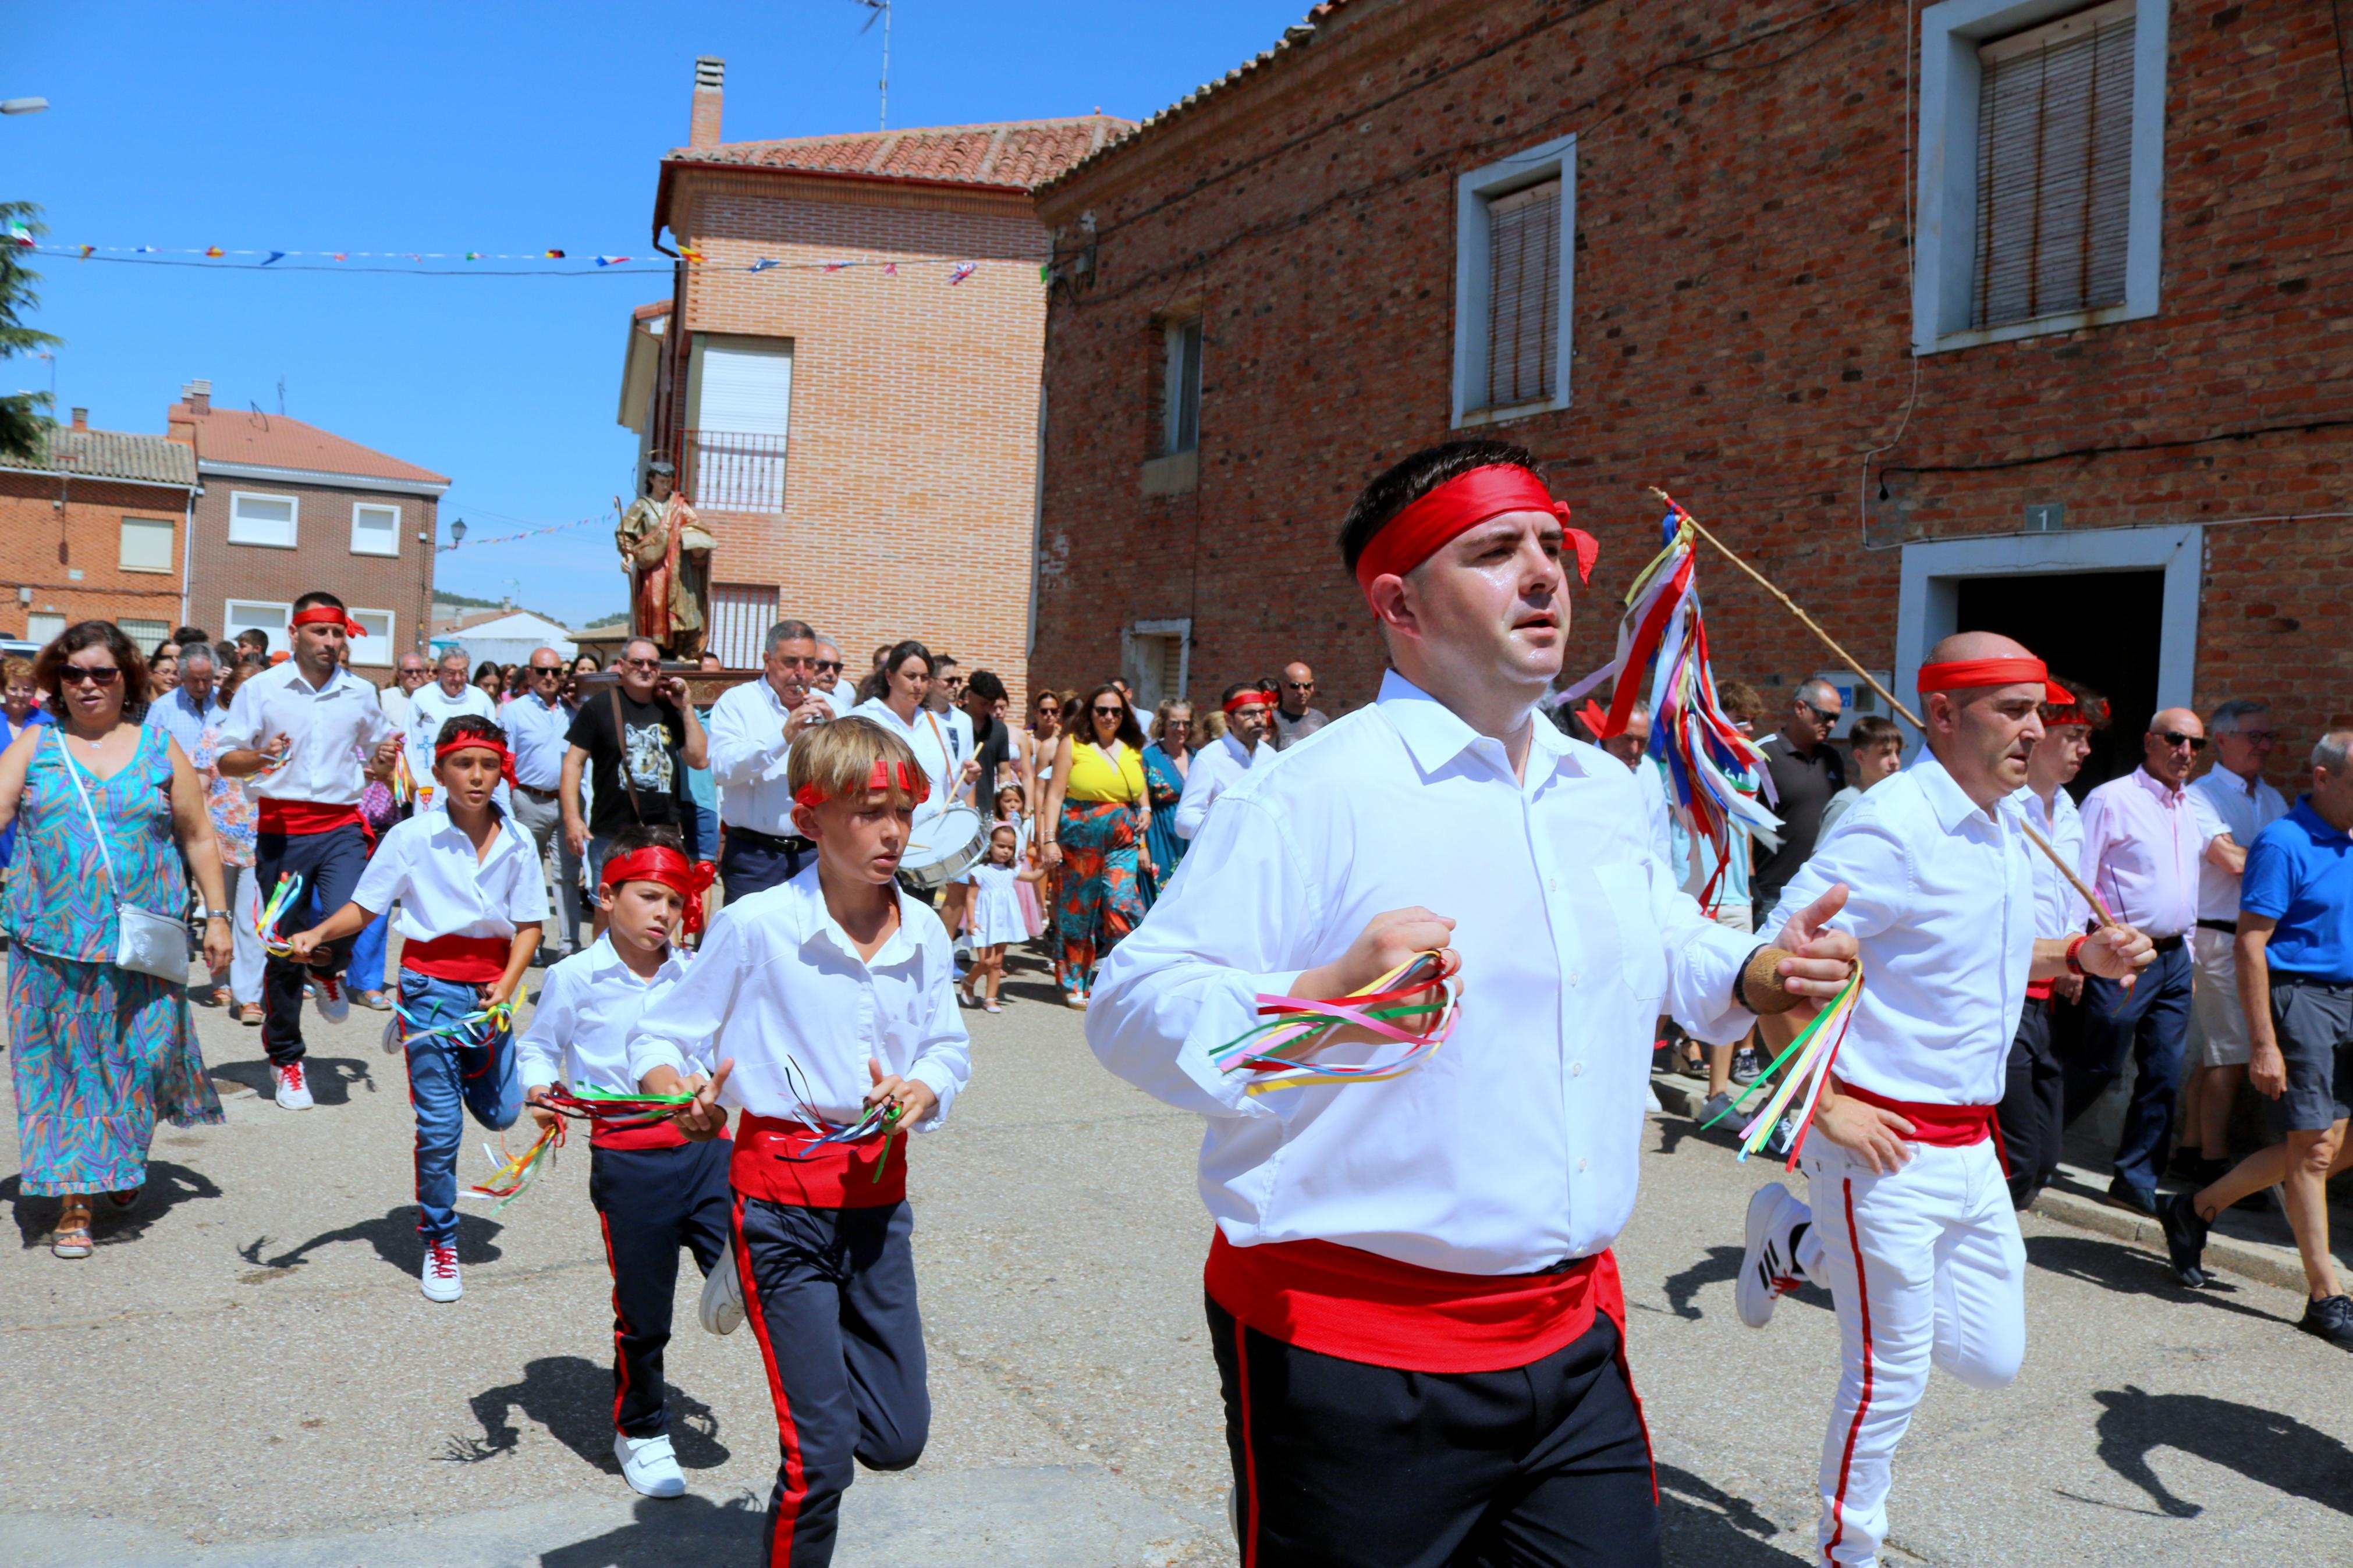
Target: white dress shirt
2141 849
579 1029
2059 909
1940 894
1652 775
538 733
428 864
429 708
934 746
1516 1144
778 980
396 707
748 753
2222 802
1215 768
330 726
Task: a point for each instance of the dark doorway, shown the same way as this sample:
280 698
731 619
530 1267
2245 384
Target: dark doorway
2102 628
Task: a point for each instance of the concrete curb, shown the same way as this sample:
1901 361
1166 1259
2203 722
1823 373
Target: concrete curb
2255 1261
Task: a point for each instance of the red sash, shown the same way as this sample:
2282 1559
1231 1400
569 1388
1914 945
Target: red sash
1347 1302
1939 1126
2039 990
837 1176
471 960
302 818
662 1134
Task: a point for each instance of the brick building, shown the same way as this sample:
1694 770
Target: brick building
91 530
286 507
2036 319
847 376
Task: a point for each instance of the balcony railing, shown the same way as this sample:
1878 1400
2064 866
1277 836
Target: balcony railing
729 471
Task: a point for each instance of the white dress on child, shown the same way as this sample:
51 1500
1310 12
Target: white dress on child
997 914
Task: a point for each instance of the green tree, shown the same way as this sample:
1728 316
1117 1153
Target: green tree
25 417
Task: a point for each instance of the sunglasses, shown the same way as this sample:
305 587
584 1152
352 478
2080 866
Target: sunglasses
1299 685
1819 717
539 669
827 666
951 681
1101 712
93 674
642 663
2173 738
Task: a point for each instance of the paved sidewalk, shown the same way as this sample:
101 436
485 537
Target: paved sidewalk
246 1373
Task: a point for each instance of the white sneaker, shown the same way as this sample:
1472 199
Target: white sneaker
648 1465
1768 1266
721 1307
334 1003
439 1278
294 1094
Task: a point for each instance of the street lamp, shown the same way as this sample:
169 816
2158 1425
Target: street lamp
23 105
457 532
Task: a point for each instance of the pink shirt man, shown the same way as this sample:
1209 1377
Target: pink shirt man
2141 846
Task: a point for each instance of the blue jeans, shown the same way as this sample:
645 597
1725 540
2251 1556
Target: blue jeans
2150 1023
444 1075
366 971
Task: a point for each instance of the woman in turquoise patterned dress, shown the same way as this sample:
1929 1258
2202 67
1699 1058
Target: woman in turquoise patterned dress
1166 763
98 1052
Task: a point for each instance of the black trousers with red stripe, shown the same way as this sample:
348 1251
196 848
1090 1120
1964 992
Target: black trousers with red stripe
652 1202
830 1296
1342 1465
330 865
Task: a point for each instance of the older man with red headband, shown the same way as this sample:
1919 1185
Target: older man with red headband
1911 1224
1250 711
300 726
1412 1301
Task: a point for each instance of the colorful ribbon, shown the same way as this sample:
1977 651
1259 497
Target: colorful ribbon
882 1119
1276 1051
480 1029
265 923
1815 1049
610 1108
516 1171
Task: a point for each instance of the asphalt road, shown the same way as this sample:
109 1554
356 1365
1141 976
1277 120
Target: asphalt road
245 1373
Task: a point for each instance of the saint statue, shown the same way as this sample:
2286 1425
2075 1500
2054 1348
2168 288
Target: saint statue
668 554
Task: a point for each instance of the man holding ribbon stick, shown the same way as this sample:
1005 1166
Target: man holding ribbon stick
300 726
1911 1224
1415 1312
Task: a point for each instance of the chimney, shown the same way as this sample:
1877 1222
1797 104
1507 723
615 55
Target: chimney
198 396
81 418
710 71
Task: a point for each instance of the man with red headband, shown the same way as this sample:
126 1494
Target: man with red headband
1911 1224
1249 710
300 726
1412 1302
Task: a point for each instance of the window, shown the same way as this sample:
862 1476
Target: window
1155 657
1180 395
739 406
1515 241
145 636
261 519
375 647
375 529
146 544
2042 140
250 615
44 626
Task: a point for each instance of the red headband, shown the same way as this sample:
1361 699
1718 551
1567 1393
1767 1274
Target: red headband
1254 696
1457 505
492 744
327 615
668 867
911 780
1963 674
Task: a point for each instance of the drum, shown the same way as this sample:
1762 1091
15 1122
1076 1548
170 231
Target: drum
945 846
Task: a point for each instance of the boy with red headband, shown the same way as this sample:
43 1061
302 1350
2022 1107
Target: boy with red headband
655 1190
471 903
300 726
1412 1302
1915 1237
823 1009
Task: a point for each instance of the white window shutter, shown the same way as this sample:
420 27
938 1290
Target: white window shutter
1524 294
2054 167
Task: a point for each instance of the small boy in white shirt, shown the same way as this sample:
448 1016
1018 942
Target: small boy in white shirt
655 1191
471 905
819 1006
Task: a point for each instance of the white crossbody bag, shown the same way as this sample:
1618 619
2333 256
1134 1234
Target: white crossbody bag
143 940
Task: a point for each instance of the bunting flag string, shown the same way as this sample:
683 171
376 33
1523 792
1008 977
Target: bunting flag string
288 260
526 533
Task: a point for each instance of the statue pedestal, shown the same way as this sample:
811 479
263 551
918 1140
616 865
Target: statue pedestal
702 686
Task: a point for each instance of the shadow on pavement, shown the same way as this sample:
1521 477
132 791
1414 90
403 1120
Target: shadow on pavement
1705 1526
1722 1266
573 1398
1040 988
2277 1450
2130 1271
672 1530
168 1186
394 1238
331 1078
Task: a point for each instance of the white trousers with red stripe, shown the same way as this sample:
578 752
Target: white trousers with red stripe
1928 1270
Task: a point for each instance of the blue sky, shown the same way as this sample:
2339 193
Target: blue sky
499 127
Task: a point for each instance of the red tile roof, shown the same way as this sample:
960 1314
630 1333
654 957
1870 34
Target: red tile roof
112 455
1015 155
274 441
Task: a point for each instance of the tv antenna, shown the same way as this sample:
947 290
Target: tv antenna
880 8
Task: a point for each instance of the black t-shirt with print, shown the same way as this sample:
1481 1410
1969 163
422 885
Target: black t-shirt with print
653 738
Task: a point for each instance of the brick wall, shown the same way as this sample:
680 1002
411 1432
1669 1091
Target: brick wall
911 493
322 559
42 546
1743 325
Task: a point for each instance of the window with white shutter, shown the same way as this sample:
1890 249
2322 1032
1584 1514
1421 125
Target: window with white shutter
1515 234
147 544
375 529
2054 167
1523 293
262 519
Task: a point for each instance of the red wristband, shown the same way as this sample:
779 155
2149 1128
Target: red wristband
2074 945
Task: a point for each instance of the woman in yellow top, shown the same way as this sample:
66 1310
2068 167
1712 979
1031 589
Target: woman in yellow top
1096 813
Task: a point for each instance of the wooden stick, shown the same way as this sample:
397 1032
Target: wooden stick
1827 641
2092 900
